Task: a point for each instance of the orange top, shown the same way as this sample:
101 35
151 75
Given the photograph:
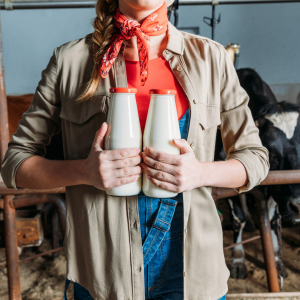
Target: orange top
160 77
162 92
122 90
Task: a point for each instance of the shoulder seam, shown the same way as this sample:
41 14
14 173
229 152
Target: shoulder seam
203 38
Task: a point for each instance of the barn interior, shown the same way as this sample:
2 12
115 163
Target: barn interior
261 241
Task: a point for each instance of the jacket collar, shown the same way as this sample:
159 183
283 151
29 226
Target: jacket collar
175 42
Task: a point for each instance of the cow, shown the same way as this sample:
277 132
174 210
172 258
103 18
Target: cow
279 129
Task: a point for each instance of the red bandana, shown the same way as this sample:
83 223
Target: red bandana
155 24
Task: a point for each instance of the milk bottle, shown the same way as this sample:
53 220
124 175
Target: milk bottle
124 131
161 128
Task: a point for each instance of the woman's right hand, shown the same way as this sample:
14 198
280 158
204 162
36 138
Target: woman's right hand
107 169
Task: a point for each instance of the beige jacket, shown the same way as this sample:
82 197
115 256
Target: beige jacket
103 241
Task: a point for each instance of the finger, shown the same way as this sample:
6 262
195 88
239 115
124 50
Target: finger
159 165
99 136
160 175
164 185
120 153
183 145
128 171
124 180
163 156
126 162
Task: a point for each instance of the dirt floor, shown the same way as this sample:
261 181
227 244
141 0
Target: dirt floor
43 278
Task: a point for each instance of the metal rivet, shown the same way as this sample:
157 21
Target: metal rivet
167 51
193 145
195 101
179 68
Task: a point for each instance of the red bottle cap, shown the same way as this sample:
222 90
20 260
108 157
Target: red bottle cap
162 92
122 90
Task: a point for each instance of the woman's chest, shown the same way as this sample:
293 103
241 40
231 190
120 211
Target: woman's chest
81 119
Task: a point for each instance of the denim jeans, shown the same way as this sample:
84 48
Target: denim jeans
163 273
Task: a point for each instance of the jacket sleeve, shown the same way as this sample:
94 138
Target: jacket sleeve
37 126
240 136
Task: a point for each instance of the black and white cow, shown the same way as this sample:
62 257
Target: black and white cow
279 130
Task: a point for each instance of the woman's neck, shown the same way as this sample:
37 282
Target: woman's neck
158 43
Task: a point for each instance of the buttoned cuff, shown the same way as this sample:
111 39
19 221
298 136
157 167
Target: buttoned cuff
256 168
10 166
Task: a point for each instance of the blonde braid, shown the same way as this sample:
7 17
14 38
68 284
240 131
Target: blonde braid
104 31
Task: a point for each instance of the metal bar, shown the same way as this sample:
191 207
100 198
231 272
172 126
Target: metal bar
8 191
57 200
4 132
55 232
282 177
88 4
266 239
243 242
41 254
11 249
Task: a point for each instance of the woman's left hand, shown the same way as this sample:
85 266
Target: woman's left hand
175 173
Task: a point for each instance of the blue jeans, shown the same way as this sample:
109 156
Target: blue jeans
162 248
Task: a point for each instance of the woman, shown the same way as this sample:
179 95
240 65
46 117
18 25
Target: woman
105 237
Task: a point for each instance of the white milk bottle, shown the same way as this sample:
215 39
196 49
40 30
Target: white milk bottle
124 131
161 128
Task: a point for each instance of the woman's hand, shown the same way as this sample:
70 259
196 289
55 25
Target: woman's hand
175 173
107 169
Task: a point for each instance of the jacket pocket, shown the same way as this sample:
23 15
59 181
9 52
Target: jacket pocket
80 121
80 111
209 119
209 116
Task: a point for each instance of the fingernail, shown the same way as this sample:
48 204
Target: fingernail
145 148
178 141
148 176
137 176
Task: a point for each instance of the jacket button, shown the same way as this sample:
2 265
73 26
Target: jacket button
193 146
134 225
195 101
139 269
179 68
